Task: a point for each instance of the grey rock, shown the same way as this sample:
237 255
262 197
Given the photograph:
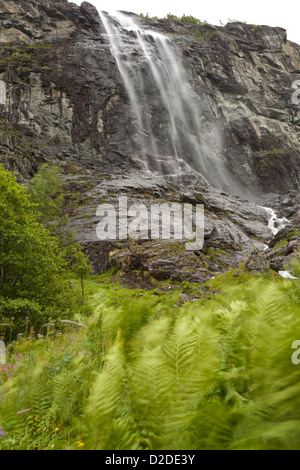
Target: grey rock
66 105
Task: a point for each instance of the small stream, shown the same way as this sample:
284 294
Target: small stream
275 224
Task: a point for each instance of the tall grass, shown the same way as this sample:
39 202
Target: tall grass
151 374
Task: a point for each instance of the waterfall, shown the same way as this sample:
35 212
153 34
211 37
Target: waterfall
174 129
274 223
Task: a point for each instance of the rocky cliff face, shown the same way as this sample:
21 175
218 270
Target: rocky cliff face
65 103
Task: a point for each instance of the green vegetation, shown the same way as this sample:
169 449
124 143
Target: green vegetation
81 268
257 31
183 366
23 55
34 275
27 57
199 35
192 20
184 18
149 374
230 20
43 190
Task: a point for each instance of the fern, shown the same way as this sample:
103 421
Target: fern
214 374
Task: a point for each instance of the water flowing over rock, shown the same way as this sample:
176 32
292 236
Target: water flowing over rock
175 129
275 224
156 110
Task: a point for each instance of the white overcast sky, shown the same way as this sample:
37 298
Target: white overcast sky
263 12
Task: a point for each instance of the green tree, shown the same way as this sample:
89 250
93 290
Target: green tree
81 268
29 257
43 190
32 265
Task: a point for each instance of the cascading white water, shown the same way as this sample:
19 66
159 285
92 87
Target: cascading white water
274 223
174 128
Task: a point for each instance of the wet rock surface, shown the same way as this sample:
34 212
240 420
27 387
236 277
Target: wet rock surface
66 105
